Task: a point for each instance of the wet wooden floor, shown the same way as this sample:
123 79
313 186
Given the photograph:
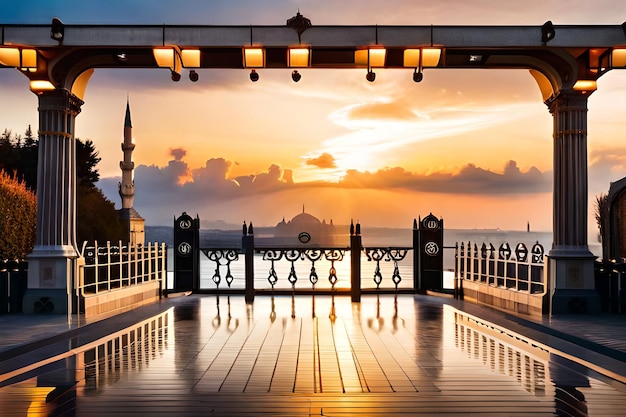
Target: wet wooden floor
308 356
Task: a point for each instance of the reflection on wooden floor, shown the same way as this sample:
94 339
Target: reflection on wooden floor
310 356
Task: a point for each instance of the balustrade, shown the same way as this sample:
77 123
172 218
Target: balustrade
115 266
303 264
517 270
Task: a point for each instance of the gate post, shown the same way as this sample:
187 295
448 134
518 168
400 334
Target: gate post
430 234
355 262
186 248
247 244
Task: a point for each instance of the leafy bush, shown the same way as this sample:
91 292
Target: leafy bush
18 218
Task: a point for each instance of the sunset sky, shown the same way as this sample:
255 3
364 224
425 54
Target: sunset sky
471 146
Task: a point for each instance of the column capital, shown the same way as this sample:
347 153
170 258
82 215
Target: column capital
567 100
60 100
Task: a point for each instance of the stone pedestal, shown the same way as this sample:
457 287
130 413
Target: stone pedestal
48 286
571 284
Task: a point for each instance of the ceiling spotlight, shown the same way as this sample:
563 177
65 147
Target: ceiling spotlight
254 76
547 32
296 76
371 76
175 76
57 30
193 76
121 57
418 76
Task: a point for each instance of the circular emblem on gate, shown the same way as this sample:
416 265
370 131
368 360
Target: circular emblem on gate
304 237
184 224
184 249
431 248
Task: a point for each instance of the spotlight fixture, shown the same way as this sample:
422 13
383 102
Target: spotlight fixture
547 32
121 57
57 30
175 76
254 76
296 76
193 76
418 76
374 57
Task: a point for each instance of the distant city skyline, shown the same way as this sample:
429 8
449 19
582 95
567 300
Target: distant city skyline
471 146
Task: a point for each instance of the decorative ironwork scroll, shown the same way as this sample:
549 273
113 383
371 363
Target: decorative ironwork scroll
292 255
388 255
272 255
313 255
333 255
222 257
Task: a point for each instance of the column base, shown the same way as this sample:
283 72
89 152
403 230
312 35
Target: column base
45 301
571 283
576 302
50 274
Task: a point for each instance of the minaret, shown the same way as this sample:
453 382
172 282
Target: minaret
133 222
127 186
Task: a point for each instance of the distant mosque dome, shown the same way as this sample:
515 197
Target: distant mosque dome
304 222
305 219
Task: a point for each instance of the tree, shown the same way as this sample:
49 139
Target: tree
18 218
96 217
28 159
7 152
86 161
601 212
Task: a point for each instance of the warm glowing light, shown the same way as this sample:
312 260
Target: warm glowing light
164 56
39 86
37 406
29 58
371 58
191 58
618 58
430 57
168 57
585 85
299 57
80 84
254 57
10 57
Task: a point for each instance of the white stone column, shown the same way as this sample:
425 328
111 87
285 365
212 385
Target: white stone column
51 264
570 264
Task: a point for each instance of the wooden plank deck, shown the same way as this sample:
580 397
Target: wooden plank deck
311 357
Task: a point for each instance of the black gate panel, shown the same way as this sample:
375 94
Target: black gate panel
431 253
186 257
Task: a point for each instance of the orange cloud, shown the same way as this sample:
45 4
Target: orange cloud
324 161
379 110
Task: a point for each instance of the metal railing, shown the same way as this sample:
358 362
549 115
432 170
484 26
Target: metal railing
13 283
291 265
322 265
292 255
516 270
110 266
